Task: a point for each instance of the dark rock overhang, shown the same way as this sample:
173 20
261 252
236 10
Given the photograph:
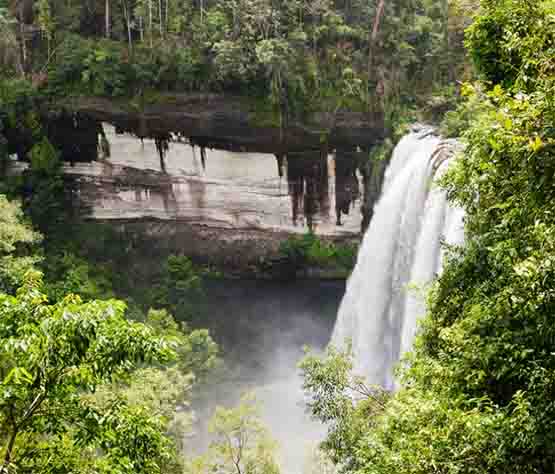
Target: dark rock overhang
230 123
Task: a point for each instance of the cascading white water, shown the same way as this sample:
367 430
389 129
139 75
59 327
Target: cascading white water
379 314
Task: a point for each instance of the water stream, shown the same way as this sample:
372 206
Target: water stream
399 256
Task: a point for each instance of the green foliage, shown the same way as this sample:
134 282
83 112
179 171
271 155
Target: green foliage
383 151
242 444
510 42
46 20
456 122
9 60
441 102
88 66
68 273
163 395
16 240
164 392
343 402
196 351
52 359
44 158
45 195
105 68
20 124
103 71
179 289
308 249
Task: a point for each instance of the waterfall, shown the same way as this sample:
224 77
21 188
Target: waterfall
401 249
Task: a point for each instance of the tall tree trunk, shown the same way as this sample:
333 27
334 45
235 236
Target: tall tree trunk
160 18
127 17
107 18
9 449
150 21
22 34
447 44
167 22
19 60
372 40
406 14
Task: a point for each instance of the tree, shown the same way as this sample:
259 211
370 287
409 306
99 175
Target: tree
44 194
67 273
52 358
15 239
107 18
274 55
162 392
46 22
343 402
165 392
9 56
179 289
242 444
372 40
127 17
196 352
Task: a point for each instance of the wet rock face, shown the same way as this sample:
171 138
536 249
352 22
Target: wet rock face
308 180
231 210
348 189
223 190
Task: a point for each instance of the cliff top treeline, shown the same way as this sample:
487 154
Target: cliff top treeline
291 57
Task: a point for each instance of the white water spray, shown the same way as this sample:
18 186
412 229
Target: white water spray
379 313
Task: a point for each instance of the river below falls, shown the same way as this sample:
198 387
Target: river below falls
262 327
